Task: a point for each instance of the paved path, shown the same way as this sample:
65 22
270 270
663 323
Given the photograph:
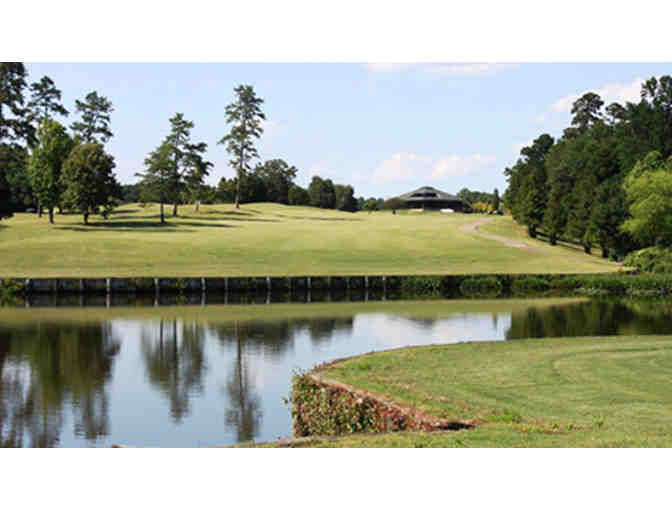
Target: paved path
472 228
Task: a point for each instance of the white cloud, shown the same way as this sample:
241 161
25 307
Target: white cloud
455 165
610 93
399 167
405 166
442 69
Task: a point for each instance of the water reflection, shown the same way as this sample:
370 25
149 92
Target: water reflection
180 382
175 362
48 368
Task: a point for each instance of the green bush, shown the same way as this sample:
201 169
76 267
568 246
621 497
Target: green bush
426 285
481 286
619 285
530 285
651 260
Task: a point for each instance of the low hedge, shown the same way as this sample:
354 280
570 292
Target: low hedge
481 286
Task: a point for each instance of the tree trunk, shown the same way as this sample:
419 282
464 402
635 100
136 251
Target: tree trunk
586 248
197 204
86 217
605 252
51 215
175 209
163 218
532 231
39 209
238 191
553 239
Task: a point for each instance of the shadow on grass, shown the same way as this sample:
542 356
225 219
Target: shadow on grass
316 218
144 226
227 219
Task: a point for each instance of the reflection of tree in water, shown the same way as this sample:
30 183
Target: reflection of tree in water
42 367
261 338
322 330
245 413
175 367
596 317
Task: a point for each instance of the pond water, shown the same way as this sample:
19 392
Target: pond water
185 376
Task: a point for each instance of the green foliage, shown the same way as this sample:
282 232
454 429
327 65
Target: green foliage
15 121
159 183
5 196
394 203
322 410
648 190
481 286
189 169
245 115
471 197
345 198
651 260
278 178
46 163
298 196
529 285
421 285
322 193
90 184
95 124
619 285
45 99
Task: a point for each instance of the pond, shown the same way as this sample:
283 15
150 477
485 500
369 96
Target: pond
183 376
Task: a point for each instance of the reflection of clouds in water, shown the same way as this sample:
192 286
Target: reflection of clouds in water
386 331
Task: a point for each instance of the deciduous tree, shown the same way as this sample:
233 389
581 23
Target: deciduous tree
46 162
89 181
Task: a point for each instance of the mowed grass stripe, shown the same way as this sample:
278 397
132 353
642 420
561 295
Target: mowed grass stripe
265 240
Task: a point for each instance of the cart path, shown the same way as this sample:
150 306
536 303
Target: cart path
472 228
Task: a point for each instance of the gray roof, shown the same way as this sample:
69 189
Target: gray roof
428 194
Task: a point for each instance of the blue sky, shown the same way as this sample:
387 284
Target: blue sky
384 128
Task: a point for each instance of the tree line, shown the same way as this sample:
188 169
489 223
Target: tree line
45 166
42 164
607 181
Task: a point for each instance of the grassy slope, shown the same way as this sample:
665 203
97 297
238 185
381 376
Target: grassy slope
264 240
587 392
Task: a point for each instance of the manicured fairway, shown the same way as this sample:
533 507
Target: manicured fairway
587 392
266 240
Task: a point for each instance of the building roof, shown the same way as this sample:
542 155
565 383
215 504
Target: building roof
428 194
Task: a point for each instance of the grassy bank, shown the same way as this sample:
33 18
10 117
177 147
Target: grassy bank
266 240
578 392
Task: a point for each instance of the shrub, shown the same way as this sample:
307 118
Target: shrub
651 260
530 285
481 286
425 285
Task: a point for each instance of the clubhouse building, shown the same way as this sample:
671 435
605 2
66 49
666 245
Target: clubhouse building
432 198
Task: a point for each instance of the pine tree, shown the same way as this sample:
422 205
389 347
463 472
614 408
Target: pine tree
95 123
245 114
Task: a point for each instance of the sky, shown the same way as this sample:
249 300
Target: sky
383 128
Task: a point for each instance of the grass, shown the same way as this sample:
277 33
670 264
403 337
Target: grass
578 392
264 240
